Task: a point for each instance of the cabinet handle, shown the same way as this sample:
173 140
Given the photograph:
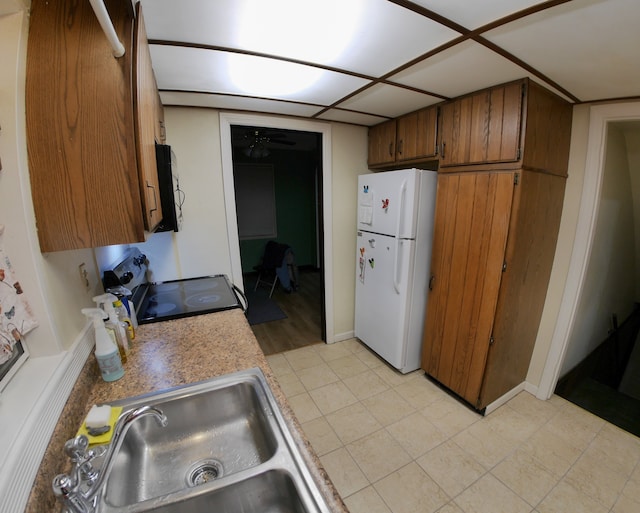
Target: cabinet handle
400 146
442 147
391 149
431 280
155 199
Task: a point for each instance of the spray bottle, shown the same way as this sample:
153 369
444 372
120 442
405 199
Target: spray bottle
123 294
123 317
113 324
107 352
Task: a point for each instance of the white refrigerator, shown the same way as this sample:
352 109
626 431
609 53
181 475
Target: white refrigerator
393 261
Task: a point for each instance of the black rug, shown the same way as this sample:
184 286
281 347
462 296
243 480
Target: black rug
261 307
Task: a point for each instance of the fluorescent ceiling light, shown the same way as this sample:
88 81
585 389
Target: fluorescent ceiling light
316 32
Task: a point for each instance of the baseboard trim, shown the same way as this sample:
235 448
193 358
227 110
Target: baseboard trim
339 337
505 398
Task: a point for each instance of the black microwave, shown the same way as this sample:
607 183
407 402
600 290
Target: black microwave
171 196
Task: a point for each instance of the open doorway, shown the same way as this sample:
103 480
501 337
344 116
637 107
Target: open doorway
278 184
604 261
314 297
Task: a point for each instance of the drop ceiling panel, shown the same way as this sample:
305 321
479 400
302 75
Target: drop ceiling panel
589 47
225 102
370 37
354 118
447 73
213 71
472 15
388 100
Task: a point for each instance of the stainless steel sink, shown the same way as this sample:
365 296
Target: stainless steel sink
226 447
273 492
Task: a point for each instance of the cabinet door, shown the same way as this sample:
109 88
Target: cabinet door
146 123
470 234
80 128
382 143
483 127
416 135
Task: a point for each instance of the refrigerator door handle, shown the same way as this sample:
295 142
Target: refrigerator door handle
401 207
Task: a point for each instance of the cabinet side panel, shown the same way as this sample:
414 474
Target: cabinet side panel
530 251
145 119
548 133
80 128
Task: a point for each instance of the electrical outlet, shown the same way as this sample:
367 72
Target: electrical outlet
84 276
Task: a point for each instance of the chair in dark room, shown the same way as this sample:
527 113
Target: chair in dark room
278 263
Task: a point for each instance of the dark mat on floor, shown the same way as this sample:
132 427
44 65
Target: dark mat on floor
261 307
605 402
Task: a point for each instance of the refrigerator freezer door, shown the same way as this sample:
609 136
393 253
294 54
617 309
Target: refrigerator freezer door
387 202
382 295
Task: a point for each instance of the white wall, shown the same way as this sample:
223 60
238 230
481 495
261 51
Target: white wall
609 281
202 247
349 153
631 133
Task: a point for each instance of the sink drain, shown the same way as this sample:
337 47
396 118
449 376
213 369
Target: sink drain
204 472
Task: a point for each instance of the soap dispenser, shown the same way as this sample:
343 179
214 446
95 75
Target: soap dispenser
107 352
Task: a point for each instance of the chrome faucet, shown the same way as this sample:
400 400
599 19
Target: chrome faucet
79 489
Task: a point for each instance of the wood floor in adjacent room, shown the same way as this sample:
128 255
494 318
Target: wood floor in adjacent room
303 325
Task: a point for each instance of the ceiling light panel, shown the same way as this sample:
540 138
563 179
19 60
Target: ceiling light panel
472 15
370 37
388 100
448 73
591 48
213 71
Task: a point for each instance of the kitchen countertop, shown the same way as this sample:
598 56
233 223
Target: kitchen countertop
168 354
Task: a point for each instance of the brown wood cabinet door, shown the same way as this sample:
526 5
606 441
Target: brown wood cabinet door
382 143
470 234
145 108
416 135
482 128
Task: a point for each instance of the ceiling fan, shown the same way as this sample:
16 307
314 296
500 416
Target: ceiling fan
258 140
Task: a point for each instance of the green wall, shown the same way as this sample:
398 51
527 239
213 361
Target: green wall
296 204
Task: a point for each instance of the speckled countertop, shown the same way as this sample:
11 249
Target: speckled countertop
168 354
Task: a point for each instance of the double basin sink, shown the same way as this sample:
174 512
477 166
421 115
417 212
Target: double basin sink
226 447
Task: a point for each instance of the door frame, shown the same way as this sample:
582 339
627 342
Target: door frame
231 118
599 118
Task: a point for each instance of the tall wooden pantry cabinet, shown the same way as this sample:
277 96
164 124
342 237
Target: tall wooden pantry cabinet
503 167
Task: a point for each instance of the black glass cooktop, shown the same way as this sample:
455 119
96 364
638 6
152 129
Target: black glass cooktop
183 298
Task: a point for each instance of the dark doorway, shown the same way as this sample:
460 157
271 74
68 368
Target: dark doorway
278 187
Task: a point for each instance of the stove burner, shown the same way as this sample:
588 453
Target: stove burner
204 299
198 285
166 287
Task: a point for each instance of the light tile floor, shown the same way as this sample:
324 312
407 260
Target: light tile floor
395 443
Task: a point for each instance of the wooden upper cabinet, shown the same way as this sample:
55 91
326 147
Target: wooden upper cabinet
483 127
82 113
507 126
382 143
412 137
146 118
416 135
